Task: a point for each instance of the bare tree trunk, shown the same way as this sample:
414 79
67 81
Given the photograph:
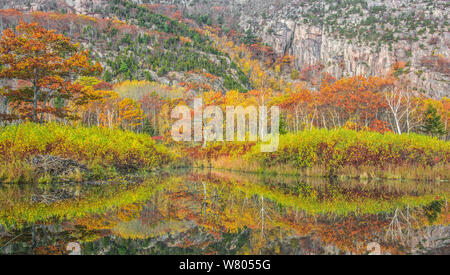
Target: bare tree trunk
35 101
394 101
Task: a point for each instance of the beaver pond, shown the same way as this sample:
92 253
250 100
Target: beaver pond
221 212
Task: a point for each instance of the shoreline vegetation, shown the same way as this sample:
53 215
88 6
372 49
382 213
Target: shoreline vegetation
106 153
339 153
365 173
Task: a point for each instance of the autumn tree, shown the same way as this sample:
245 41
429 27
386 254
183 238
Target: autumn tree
101 110
298 107
355 98
130 114
151 105
49 64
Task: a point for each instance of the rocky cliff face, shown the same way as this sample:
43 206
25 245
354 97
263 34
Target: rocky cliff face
311 44
348 38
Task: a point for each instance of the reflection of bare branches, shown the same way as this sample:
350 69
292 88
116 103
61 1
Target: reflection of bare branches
52 196
265 214
400 228
262 215
394 231
262 211
8 242
244 203
204 203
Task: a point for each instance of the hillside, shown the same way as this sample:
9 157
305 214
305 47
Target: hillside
346 38
132 42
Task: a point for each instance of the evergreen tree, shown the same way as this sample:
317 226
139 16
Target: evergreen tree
249 38
147 128
107 76
432 124
283 126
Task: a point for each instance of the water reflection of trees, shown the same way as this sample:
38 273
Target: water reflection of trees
221 213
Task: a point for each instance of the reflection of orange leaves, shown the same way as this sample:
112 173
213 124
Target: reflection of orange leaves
110 219
58 249
345 234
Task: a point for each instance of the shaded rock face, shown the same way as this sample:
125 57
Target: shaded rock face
297 245
56 166
313 43
311 46
434 240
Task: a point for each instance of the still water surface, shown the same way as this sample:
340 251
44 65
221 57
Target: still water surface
218 212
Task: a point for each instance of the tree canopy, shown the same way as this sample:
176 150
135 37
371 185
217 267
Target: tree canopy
40 67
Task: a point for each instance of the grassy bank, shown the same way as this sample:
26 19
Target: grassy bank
347 153
103 151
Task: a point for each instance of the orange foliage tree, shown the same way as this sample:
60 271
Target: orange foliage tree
48 63
354 98
298 107
130 114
